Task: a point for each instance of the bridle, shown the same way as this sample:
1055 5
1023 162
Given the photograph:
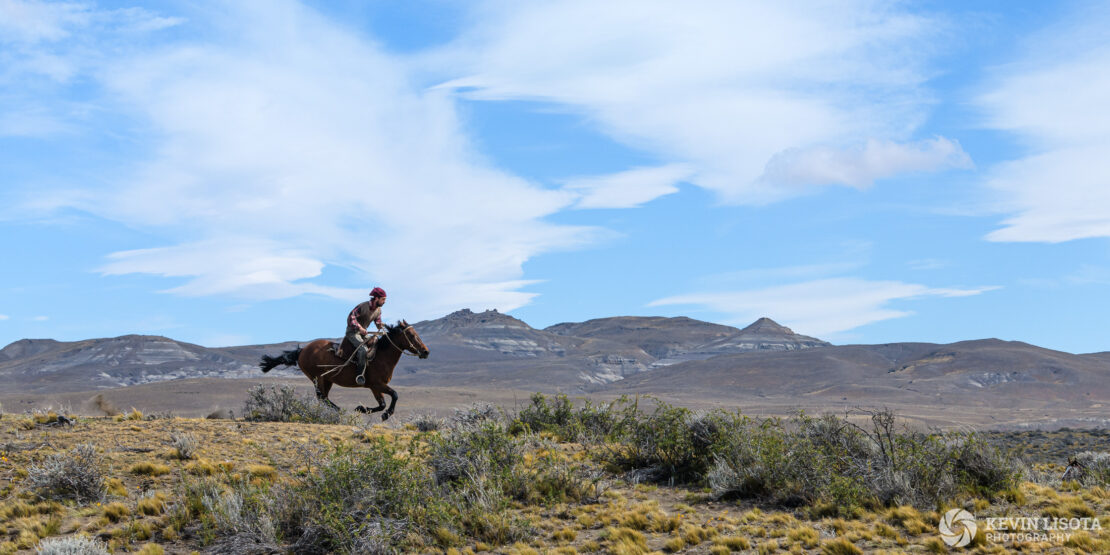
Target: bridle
399 348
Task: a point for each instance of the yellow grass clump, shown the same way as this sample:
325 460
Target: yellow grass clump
1069 507
909 519
147 468
935 545
49 417
625 541
262 471
840 546
151 549
116 487
566 534
152 506
733 543
116 511
674 544
768 547
200 468
804 535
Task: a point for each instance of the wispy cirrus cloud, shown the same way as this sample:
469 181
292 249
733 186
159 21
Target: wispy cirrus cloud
861 166
281 144
819 307
1056 100
32 21
757 97
629 188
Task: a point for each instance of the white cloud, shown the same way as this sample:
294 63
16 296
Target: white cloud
834 88
819 308
4 317
629 188
31 21
282 144
1056 100
40 318
860 167
247 268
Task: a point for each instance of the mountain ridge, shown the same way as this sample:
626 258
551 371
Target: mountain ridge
672 357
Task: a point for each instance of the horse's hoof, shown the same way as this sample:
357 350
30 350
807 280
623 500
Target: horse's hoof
385 416
360 380
361 409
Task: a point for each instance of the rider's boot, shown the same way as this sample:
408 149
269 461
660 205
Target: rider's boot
360 379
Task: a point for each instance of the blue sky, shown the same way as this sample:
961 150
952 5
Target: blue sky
864 172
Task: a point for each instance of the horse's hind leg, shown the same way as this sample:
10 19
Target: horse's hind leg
323 387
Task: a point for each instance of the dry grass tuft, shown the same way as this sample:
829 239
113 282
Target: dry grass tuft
116 512
116 487
674 544
808 537
625 541
566 534
200 468
151 549
152 506
262 471
840 546
147 468
733 543
909 519
768 547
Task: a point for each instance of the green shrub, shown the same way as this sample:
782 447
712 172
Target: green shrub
672 444
830 460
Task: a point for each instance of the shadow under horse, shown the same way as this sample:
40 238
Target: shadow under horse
317 360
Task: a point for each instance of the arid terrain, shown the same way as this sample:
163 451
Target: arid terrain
185 485
670 435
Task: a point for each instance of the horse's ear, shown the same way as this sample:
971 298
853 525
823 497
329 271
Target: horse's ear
404 323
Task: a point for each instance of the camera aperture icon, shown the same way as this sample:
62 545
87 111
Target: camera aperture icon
957 528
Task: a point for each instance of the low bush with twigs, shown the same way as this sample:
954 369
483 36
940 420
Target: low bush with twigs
77 474
282 404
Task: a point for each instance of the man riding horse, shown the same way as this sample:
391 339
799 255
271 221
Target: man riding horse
357 337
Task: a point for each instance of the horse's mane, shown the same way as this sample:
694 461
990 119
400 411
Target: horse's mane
390 330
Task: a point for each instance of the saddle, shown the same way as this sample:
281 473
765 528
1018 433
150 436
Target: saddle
345 348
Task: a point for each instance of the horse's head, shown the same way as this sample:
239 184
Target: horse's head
409 340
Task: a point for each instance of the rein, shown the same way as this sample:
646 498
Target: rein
403 351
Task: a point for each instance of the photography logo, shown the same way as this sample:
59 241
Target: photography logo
957 528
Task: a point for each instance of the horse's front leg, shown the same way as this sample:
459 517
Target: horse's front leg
392 402
381 403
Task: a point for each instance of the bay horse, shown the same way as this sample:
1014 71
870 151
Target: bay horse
317 360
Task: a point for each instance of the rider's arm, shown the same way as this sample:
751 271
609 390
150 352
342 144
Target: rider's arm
353 320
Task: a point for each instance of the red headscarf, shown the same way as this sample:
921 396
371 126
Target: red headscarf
378 292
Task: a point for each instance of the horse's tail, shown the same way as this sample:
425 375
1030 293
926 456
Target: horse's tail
288 358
